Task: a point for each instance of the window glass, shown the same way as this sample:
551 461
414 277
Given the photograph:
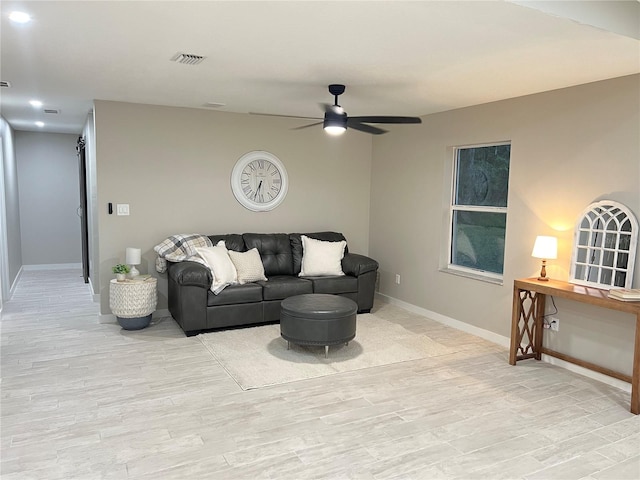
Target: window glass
479 208
478 240
483 176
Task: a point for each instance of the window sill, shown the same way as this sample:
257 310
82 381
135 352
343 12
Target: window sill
473 276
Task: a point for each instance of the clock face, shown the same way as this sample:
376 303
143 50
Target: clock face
259 181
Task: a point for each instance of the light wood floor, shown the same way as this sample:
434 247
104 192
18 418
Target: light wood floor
82 400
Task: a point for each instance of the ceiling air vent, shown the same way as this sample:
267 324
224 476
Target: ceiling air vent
55 111
4 84
187 58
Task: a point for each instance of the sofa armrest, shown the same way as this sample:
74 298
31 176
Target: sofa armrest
190 274
356 265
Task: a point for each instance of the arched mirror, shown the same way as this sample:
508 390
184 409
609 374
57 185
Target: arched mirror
604 247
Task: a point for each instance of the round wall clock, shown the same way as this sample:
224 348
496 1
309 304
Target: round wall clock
259 181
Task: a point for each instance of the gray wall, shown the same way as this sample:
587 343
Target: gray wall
388 194
173 167
49 198
570 147
11 202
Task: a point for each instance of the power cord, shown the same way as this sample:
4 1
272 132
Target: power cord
545 321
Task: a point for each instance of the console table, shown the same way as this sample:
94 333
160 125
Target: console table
529 296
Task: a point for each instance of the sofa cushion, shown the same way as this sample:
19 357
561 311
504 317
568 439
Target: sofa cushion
296 245
282 286
275 251
234 294
248 265
334 285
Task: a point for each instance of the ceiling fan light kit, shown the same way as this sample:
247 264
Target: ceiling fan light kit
335 123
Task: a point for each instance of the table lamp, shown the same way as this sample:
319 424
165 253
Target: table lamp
545 248
132 258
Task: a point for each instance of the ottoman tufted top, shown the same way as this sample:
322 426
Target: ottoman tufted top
318 305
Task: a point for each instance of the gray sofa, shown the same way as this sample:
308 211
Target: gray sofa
196 308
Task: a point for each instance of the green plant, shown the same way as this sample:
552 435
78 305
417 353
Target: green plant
120 268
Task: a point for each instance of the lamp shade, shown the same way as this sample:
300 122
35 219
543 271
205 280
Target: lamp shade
132 256
545 247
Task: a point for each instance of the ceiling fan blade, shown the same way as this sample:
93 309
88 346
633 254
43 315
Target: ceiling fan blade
307 126
387 119
283 116
364 128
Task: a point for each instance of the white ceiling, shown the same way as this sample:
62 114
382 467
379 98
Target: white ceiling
396 58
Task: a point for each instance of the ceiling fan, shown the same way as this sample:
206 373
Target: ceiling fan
336 121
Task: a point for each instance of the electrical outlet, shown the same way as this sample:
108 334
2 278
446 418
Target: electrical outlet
554 322
397 279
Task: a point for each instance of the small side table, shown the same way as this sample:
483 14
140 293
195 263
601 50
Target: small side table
133 302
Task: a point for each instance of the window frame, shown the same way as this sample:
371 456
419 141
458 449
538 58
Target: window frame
479 274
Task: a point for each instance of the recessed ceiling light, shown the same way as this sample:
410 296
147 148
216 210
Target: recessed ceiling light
40 124
19 17
35 103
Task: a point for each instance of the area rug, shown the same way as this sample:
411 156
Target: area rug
258 356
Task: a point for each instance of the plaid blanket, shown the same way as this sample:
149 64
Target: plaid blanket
180 248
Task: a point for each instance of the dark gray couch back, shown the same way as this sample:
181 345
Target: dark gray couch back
281 253
233 241
275 251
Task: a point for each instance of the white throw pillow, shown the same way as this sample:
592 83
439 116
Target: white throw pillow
321 258
221 266
248 265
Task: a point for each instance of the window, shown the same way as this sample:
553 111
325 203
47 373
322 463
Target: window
478 217
604 249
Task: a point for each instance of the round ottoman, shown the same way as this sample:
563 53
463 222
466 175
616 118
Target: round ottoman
318 319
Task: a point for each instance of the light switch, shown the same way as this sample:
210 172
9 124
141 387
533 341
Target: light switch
122 209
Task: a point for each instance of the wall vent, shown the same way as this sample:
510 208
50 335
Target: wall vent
187 58
4 84
55 111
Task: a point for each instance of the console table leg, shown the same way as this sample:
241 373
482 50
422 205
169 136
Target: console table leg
635 376
526 325
516 313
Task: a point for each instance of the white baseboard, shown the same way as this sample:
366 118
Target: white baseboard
502 341
111 318
451 322
95 296
14 284
107 318
52 266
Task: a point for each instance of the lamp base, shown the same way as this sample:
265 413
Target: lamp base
543 272
133 273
